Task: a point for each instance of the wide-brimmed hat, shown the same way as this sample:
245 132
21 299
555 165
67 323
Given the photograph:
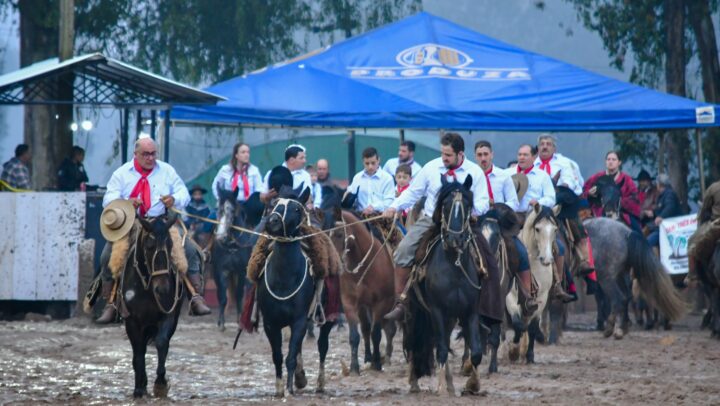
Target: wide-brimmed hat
198 187
644 175
117 219
521 183
280 176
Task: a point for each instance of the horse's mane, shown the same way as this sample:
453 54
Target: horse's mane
544 213
506 218
443 194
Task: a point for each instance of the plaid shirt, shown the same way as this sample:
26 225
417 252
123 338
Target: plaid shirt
16 174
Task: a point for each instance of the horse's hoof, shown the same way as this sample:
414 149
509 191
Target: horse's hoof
279 389
514 352
493 369
161 390
300 379
608 332
618 334
472 386
414 388
467 368
355 369
138 393
530 358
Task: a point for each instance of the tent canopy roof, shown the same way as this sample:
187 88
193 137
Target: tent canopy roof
99 81
426 72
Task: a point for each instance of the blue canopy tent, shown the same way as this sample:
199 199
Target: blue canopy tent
425 72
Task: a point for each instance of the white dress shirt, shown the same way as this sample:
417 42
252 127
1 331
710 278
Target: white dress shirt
569 172
503 188
376 190
392 164
427 183
540 188
224 178
163 181
300 177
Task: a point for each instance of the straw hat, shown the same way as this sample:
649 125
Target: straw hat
520 181
117 219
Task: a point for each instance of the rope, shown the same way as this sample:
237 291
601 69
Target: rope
272 237
384 244
4 185
267 285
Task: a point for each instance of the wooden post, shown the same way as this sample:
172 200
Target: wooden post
66 29
124 132
402 136
166 137
351 154
138 123
701 163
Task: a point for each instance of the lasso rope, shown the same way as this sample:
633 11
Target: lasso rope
7 186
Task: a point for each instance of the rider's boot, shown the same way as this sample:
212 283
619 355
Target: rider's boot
557 290
402 275
527 300
109 312
198 307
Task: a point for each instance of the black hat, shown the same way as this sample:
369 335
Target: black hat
198 187
280 176
644 175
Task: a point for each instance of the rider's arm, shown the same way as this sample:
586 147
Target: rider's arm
548 192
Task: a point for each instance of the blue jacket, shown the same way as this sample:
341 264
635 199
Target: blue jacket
668 204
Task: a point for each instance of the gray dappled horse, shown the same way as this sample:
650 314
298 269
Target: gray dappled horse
621 255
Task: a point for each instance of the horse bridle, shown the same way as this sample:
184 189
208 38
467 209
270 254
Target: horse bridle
458 209
234 234
286 203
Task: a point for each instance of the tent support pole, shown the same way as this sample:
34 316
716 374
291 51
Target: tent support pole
138 123
124 135
166 137
351 154
402 136
153 125
701 164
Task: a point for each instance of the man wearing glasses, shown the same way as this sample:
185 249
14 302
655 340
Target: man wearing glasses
153 187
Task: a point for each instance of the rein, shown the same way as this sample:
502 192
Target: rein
153 273
459 251
302 282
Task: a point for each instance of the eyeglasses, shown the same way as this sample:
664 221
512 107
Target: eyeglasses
296 146
152 154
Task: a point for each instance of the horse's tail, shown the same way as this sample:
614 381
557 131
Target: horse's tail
419 344
654 282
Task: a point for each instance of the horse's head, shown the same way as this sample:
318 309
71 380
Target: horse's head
540 230
453 210
609 196
288 213
229 213
155 246
491 230
331 206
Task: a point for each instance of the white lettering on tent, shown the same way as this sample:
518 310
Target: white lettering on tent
411 72
384 73
518 74
439 71
466 73
705 115
491 74
359 72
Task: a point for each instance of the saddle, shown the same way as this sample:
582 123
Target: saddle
702 243
121 250
428 242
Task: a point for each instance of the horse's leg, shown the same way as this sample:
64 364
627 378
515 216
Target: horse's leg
412 378
220 276
494 342
442 330
622 311
514 347
466 368
323 345
354 344
533 330
139 346
274 335
297 333
366 327
376 337
162 343
472 338
390 328
300 378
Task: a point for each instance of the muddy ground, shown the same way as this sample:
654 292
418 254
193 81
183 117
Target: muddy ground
73 361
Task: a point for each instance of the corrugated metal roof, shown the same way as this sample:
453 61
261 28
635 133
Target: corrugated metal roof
121 84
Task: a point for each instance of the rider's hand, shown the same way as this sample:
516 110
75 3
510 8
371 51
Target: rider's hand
136 202
267 196
658 220
368 211
389 212
168 201
593 191
533 202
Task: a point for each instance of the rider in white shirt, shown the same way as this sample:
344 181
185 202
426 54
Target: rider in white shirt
374 188
406 155
563 170
295 161
240 174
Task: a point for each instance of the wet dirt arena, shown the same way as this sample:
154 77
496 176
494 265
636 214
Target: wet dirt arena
73 362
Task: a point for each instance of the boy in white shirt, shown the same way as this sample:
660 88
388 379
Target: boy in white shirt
374 188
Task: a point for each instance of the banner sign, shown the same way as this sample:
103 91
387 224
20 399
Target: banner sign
674 235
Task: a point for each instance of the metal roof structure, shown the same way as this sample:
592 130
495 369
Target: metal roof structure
98 81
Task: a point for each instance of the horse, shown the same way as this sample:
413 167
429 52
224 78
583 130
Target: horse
151 293
622 255
367 289
538 235
230 250
285 292
608 196
708 272
449 292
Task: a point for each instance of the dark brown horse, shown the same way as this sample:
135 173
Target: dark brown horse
367 289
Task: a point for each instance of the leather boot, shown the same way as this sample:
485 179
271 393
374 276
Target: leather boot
557 290
401 284
109 313
198 307
527 301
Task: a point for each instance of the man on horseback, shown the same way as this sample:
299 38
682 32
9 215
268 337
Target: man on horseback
374 188
501 190
563 170
708 232
427 183
153 187
295 159
541 191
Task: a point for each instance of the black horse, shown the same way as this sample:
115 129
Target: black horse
231 250
152 294
285 292
451 292
608 196
708 272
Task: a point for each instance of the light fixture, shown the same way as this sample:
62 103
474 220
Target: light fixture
74 126
148 122
87 125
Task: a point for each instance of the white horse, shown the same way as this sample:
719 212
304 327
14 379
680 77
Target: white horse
538 235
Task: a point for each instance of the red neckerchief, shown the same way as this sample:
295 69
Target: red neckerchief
545 165
142 188
243 175
525 171
489 186
452 169
401 189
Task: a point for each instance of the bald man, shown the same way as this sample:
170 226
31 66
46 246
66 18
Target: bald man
322 168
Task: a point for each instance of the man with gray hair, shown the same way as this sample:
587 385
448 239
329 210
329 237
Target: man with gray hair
563 170
668 205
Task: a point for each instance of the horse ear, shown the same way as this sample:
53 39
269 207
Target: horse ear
556 210
146 224
171 219
468 182
235 193
300 189
537 208
443 180
304 195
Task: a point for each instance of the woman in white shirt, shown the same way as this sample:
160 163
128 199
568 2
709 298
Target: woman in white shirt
240 174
